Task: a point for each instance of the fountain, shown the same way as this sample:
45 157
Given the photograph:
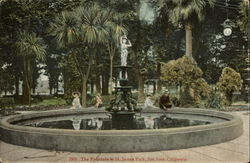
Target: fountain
120 129
123 107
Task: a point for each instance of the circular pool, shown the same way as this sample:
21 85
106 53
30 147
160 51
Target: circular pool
91 130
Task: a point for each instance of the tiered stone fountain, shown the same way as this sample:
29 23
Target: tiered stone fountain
123 107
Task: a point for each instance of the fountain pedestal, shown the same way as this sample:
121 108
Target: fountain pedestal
123 120
123 107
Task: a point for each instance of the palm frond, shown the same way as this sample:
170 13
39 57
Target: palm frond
64 29
183 10
31 45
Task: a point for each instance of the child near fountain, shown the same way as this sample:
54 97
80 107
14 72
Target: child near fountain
76 102
98 101
148 103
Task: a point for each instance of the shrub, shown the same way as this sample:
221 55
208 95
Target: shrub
215 100
6 102
229 81
186 73
175 101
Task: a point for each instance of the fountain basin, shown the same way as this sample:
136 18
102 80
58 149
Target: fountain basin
113 141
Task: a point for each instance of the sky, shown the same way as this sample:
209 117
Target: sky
147 13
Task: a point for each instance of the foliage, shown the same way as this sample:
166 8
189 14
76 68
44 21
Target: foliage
182 71
186 10
201 89
185 73
87 33
229 81
186 13
31 46
243 21
64 29
7 84
215 100
71 77
6 80
53 70
80 32
175 101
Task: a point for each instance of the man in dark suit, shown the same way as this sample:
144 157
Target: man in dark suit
164 101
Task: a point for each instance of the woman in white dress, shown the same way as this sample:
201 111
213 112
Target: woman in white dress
76 102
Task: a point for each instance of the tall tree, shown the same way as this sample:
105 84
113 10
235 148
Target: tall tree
86 27
30 47
115 32
53 71
186 12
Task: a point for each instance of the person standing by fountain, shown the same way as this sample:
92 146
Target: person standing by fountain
148 103
76 102
164 101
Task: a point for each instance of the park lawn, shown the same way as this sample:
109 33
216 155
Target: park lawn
51 102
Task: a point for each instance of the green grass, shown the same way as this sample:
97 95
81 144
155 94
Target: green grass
50 102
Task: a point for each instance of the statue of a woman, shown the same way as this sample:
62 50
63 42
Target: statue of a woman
125 43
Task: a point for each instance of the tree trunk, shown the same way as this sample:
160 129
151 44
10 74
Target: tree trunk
154 87
180 89
92 87
56 88
26 86
140 88
84 93
159 86
188 28
97 83
159 83
111 76
29 79
16 86
50 90
85 78
105 83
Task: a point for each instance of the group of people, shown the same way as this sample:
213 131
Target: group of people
164 101
76 101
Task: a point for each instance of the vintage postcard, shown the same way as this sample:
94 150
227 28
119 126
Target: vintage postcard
124 81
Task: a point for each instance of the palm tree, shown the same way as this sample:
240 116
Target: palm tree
30 47
86 26
94 23
186 12
64 28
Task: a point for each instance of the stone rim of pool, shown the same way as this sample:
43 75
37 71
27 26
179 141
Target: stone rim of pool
115 141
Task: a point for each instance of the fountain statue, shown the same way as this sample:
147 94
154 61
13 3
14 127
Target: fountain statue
125 43
123 107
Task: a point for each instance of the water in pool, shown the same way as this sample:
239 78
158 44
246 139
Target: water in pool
104 122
